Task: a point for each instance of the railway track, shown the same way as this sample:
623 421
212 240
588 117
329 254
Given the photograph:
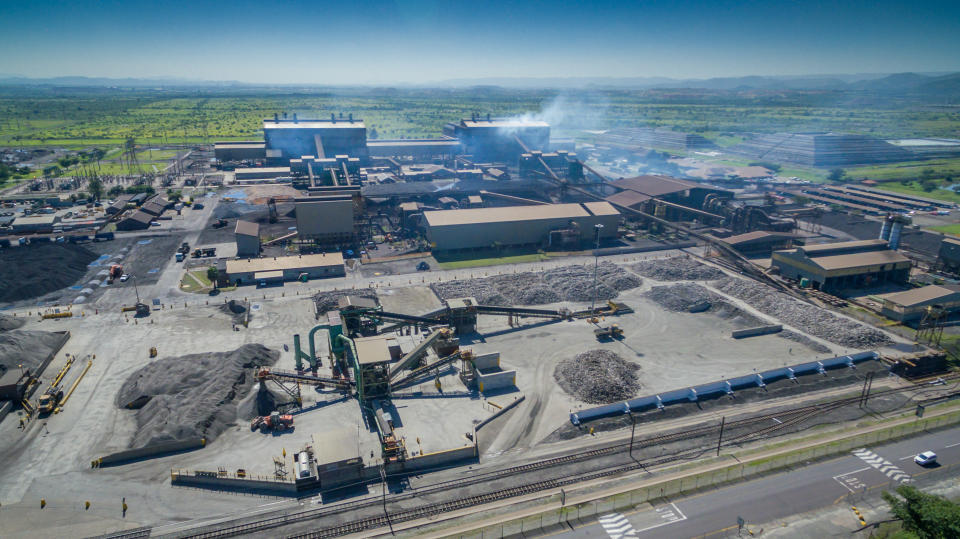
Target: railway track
782 420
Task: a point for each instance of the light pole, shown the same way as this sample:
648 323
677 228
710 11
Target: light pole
596 268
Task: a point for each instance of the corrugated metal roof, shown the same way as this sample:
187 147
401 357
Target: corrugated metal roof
601 208
372 349
754 236
247 228
504 123
859 260
314 124
628 198
657 185
253 265
842 245
509 214
920 295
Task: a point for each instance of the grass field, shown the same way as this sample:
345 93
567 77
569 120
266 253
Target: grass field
488 257
914 188
78 118
953 230
909 170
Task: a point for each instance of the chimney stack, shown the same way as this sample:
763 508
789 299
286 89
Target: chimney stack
488 116
351 117
276 117
333 117
284 115
294 117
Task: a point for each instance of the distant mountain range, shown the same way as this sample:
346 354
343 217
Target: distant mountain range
931 85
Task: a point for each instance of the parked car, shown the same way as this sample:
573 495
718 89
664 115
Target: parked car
124 277
423 266
926 458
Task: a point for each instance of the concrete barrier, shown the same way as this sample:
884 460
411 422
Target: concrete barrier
757 331
153 450
212 480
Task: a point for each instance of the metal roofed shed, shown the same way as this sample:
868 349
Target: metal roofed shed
912 304
373 350
318 266
836 266
759 241
535 225
248 238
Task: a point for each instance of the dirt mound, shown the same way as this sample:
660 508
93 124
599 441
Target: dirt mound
8 322
35 270
327 301
677 268
598 377
192 396
27 348
565 283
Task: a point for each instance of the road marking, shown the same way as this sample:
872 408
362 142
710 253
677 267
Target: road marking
617 526
952 445
883 465
671 513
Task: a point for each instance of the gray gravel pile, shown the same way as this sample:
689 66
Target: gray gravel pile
565 283
813 320
192 396
328 301
804 340
8 322
598 377
27 348
677 268
35 270
681 296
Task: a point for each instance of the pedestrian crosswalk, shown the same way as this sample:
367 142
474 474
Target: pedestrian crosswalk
617 526
883 465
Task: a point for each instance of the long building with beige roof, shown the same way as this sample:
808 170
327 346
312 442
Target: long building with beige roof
546 225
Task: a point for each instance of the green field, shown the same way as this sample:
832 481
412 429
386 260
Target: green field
105 118
914 188
953 230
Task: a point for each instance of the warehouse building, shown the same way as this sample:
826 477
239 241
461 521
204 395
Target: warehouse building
327 220
852 264
949 257
136 220
759 242
248 238
675 190
821 149
652 138
245 150
912 304
546 225
285 268
35 224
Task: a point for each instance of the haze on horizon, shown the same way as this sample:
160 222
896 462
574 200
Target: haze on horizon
424 41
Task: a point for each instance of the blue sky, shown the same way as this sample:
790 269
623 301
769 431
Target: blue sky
420 41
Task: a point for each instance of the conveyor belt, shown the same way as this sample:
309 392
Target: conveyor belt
426 369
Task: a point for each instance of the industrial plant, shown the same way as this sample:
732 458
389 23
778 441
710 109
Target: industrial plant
373 331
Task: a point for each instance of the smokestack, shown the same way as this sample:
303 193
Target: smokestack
276 117
488 116
284 115
895 233
333 117
885 229
341 115
294 117
350 116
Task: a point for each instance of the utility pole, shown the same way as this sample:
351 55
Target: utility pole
596 268
720 439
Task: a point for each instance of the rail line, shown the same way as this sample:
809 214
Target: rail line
784 418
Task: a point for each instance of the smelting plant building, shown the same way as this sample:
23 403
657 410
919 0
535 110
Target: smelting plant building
538 225
850 264
293 138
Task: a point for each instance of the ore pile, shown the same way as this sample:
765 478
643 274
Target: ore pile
804 340
677 268
813 320
681 297
598 377
192 396
565 283
8 322
27 348
328 301
35 270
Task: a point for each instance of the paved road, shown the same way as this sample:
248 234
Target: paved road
776 497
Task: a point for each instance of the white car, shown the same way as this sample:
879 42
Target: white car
124 277
926 458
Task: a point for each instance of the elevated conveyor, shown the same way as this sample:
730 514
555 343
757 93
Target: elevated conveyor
415 354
